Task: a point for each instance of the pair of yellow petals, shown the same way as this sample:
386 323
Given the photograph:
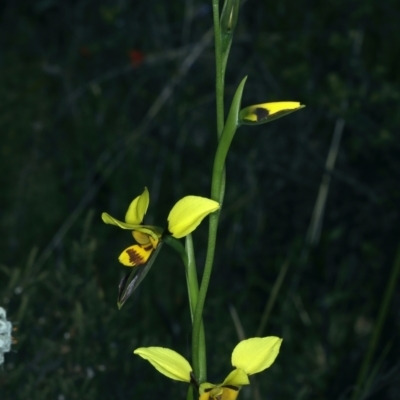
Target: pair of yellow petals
183 219
248 357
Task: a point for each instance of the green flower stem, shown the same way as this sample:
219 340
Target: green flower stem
383 311
193 288
199 351
188 259
199 355
217 193
191 275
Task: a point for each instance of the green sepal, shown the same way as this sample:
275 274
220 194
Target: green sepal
229 17
132 280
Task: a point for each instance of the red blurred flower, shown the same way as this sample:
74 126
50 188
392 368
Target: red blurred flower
136 57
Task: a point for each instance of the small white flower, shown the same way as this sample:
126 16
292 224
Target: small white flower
5 334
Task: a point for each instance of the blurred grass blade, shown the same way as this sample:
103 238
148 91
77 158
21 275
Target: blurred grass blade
377 367
238 324
272 298
133 279
315 228
362 378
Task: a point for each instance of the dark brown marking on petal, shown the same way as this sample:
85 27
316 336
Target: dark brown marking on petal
261 113
148 247
134 257
235 388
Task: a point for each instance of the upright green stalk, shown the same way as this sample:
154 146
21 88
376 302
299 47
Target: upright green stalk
217 192
188 259
193 288
191 275
197 348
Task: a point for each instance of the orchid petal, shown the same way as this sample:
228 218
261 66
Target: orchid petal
256 354
166 361
135 255
187 214
137 209
209 391
237 378
266 112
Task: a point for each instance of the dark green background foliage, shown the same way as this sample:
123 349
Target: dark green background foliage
77 139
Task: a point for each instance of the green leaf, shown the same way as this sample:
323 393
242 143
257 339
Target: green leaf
230 127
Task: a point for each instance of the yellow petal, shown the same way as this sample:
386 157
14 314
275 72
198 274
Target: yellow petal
266 112
237 378
168 362
256 354
229 394
108 219
135 255
187 214
145 239
141 238
205 387
137 209
154 231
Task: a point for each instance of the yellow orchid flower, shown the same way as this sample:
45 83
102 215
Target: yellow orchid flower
249 357
183 219
227 390
266 112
